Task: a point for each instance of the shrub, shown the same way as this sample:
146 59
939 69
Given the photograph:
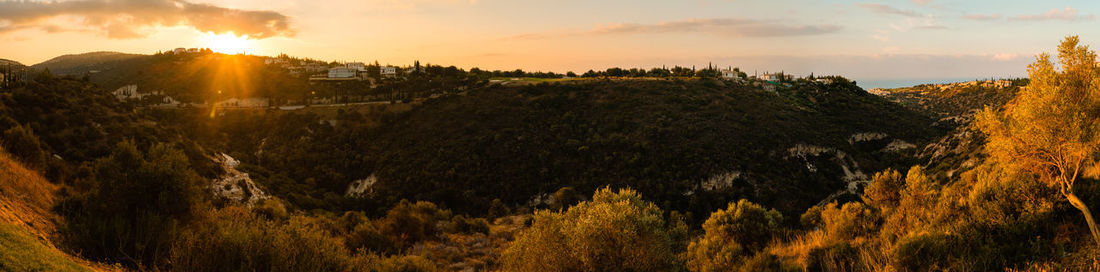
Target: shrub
616 231
923 252
235 239
21 142
365 261
366 236
137 207
837 257
740 229
884 192
847 222
409 223
464 224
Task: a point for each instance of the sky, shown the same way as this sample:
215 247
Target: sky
902 39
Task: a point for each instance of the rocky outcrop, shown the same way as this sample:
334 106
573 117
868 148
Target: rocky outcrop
235 186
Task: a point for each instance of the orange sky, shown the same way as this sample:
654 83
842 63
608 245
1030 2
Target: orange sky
860 39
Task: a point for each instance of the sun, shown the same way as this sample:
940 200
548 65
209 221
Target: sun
227 43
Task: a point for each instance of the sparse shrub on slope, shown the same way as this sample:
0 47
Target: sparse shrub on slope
616 231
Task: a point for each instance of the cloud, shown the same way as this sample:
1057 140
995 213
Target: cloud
1005 56
126 19
886 9
922 2
729 27
1067 14
718 26
983 17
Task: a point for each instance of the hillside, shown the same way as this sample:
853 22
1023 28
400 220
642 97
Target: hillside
954 105
78 64
27 228
692 145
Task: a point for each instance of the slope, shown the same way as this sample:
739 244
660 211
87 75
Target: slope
27 226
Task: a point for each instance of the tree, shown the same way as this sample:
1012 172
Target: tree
616 231
1052 128
732 234
135 212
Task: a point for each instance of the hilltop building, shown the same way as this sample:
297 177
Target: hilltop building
389 71
342 72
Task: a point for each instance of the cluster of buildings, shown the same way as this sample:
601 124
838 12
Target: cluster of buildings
320 71
182 50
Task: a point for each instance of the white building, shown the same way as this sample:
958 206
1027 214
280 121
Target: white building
358 66
127 92
388 71
824 80
180 50
772 77
341 72
192 50
730 74
252 102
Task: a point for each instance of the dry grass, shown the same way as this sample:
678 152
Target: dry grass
28 226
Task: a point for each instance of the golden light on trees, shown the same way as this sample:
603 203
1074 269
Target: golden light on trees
1052 128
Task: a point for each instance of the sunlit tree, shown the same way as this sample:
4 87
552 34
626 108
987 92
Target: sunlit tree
1052 128
616 231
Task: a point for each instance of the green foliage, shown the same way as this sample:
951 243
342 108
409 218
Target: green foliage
497 208
463 224
21 251
140 202
849 221
397 263
924 252
836 257
661 138
884 192
408 223
616 231
365 236
234 239
763 262
564 197
731 234
21 142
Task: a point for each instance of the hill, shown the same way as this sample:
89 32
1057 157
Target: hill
692 145
954 105
26 225
78 64
6 62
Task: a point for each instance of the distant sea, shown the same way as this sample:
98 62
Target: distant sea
899 83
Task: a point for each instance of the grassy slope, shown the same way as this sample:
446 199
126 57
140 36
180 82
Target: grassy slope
26 225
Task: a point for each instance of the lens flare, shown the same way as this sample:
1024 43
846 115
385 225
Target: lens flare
227 43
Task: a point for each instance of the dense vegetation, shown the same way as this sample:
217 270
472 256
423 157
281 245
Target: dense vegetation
662 138
625 175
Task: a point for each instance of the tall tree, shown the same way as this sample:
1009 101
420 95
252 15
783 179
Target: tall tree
1052 128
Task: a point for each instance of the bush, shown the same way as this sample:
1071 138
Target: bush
616 231
137 207
740 229
884 192
923 252
764 262
409 223
399 263
838 257
366 236
235 239
463 224
847 222
21 142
